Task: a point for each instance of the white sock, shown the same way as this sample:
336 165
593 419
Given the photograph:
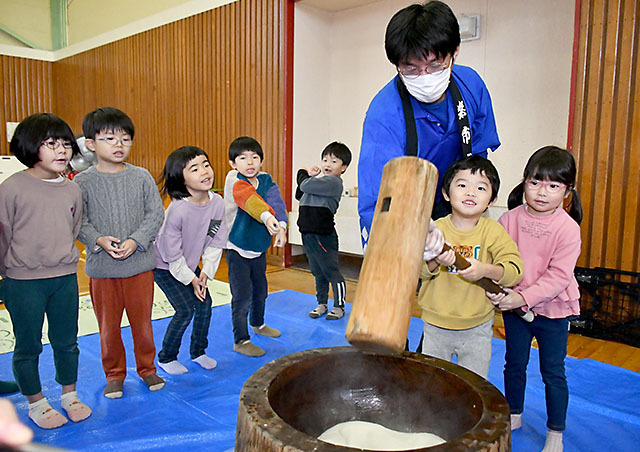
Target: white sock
516 421
173 367
205 362
554 442
76 410
44 416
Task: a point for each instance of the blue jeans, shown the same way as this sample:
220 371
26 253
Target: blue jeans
552 335
248 284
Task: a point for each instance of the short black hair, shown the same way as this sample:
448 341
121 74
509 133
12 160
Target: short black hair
172 177
107 119
241 144
338 150
418 30
33 131
474 163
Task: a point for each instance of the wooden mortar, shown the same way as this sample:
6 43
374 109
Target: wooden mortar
289 402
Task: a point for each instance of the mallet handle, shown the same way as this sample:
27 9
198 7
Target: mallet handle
486 283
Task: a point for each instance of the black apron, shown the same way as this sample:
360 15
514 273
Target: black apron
440 208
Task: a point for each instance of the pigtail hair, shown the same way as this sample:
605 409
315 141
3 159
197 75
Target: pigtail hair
575 207
516 197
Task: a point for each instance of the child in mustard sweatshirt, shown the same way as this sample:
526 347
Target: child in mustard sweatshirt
458 315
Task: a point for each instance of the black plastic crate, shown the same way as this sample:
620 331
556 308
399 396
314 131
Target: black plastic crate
609 305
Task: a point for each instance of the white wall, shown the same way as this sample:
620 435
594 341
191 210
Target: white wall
528 72
523 54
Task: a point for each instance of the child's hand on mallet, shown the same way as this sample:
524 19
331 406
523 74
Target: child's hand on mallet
435 242
448 258
506 302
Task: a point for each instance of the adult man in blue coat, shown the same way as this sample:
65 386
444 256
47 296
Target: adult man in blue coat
423 41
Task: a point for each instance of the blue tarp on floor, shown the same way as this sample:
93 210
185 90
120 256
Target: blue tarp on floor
197 411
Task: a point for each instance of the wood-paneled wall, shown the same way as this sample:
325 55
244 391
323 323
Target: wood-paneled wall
200 81
605 136
203 81
26 89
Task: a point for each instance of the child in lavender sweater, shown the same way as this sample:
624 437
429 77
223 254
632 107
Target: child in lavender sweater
193 228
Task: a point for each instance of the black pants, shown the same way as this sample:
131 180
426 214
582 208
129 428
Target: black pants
322 253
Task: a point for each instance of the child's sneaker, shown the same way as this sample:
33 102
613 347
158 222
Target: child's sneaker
264 330
335 314
319 311
248 349
153 382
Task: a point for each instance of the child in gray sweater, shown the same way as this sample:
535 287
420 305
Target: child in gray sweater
122 214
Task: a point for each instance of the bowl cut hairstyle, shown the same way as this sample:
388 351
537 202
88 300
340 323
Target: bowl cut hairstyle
241 144
474 163
172 178
106 119
418 30
33 131
338 150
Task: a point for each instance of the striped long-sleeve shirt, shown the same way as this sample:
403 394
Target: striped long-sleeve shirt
246 209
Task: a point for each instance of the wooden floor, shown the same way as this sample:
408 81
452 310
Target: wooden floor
302 281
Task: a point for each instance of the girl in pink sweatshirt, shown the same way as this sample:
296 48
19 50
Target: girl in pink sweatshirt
548 239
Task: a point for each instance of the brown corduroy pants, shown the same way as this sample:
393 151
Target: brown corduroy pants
110 297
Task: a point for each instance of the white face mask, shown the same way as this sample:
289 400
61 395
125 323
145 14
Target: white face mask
428 88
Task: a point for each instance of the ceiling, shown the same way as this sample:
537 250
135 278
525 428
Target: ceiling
336 5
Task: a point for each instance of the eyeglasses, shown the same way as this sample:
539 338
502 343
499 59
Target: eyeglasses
550 186
412 72
114 141
55 144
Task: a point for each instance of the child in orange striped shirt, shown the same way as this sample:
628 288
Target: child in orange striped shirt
255 211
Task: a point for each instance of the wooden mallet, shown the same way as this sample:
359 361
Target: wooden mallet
381 312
